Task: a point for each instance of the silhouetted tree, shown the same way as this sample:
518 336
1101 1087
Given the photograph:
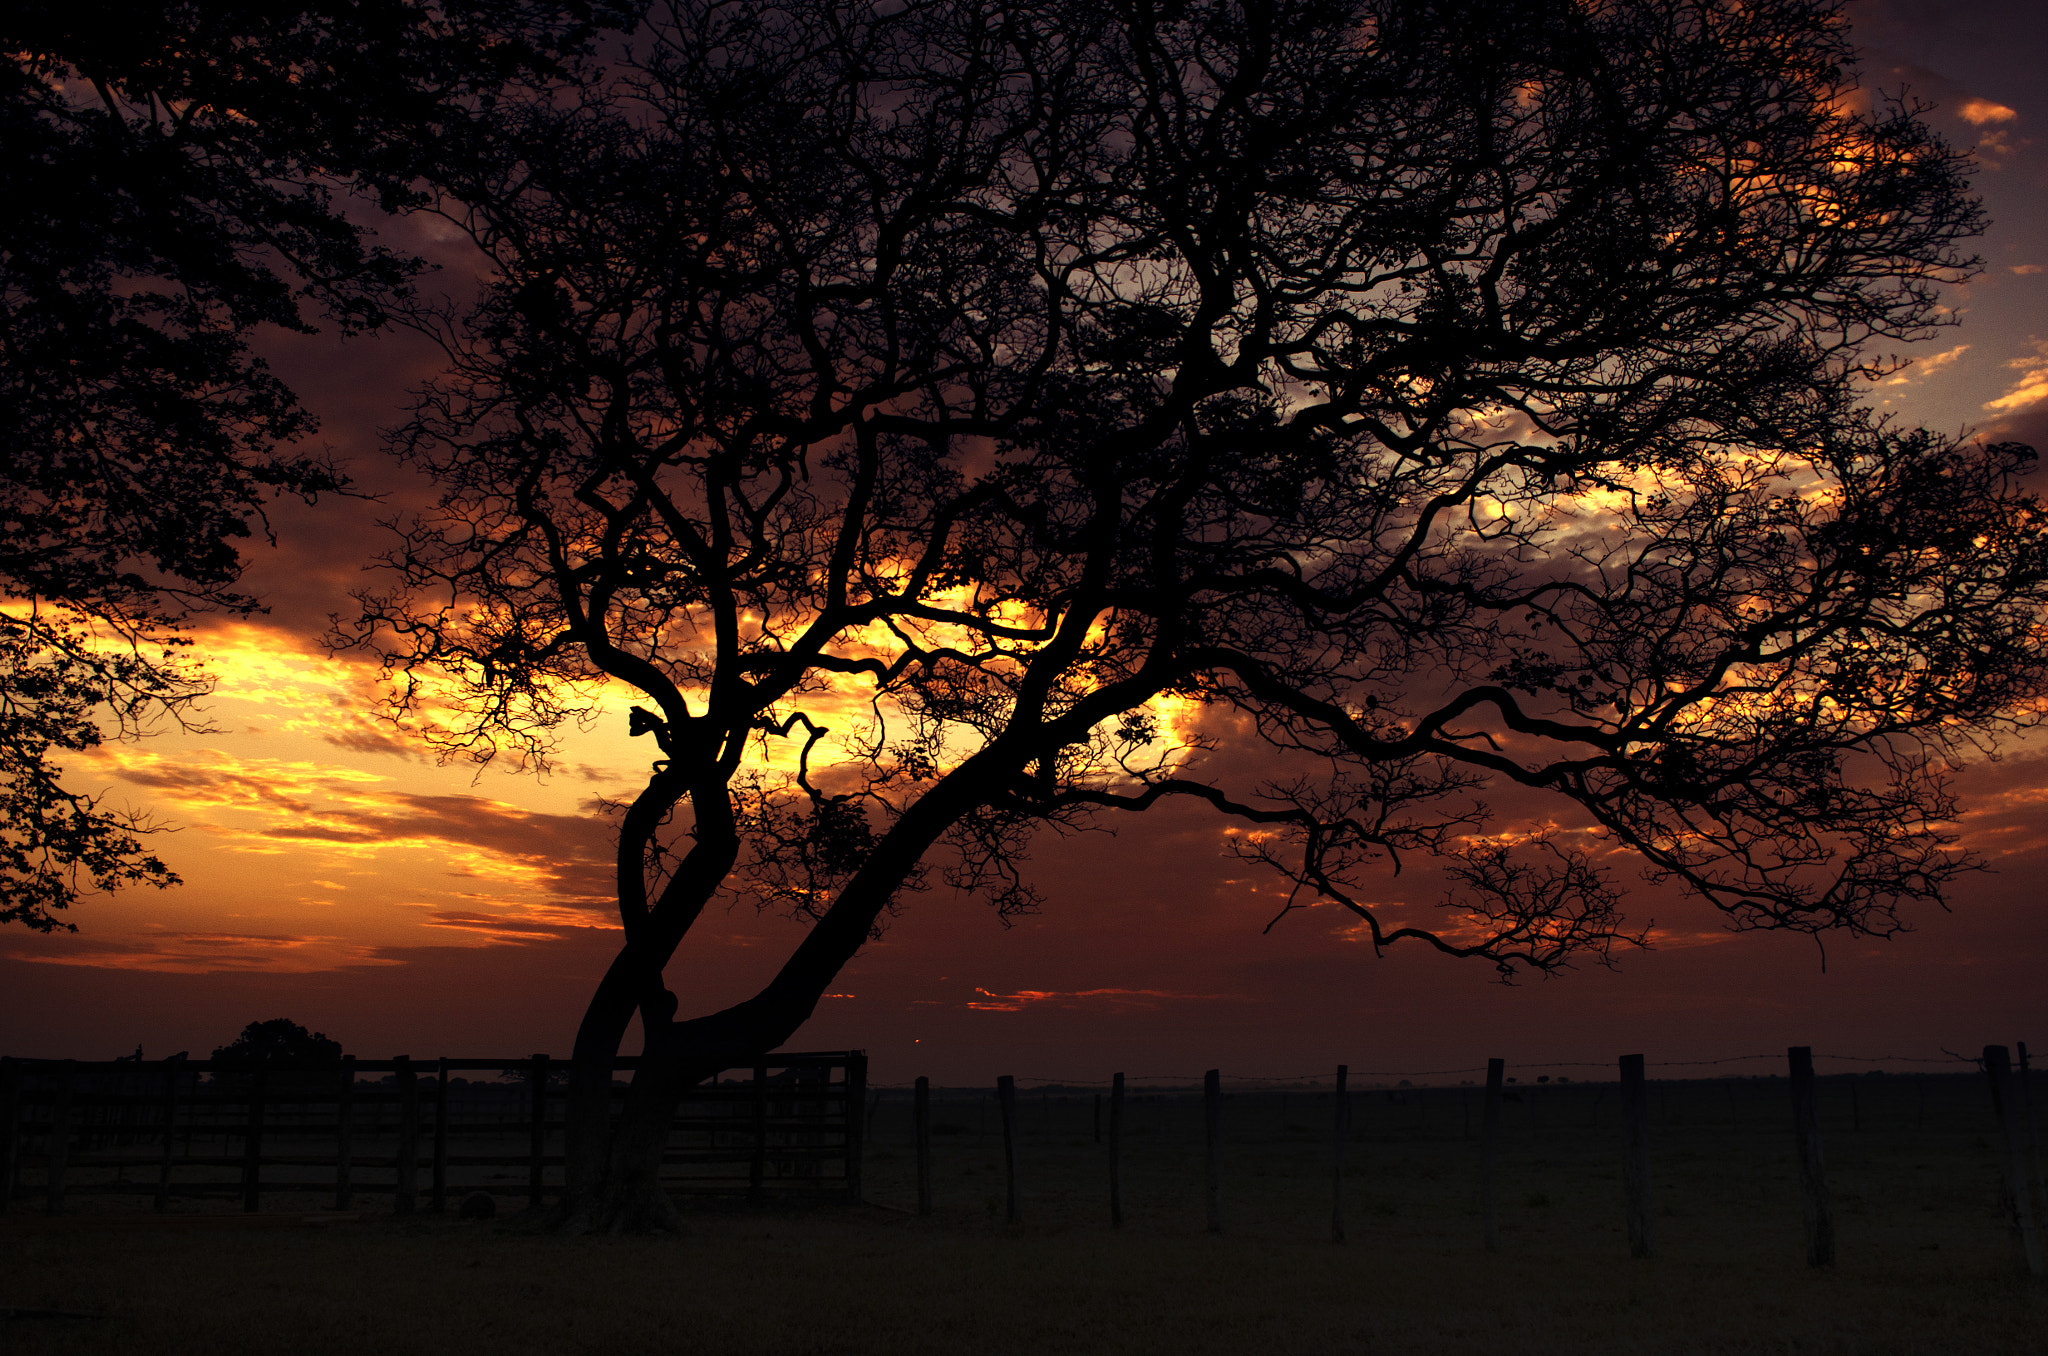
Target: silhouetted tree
927 406
171 180
279 1040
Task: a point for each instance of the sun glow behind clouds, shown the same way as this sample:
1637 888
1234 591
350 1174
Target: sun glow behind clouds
313 837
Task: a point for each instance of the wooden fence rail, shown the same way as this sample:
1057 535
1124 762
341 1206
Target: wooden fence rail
186 1130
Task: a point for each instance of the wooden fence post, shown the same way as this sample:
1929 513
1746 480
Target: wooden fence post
252 1142
345 1135
441 1136
1820 1222
2026 1076
406 1171
2019 1203
1212 1126
1340 1124
1635 1165
856 1110
1489 1156
1116 1148
1006 1103
921 1131
60 1138
537 1135
757 1167
10 1131
170 1120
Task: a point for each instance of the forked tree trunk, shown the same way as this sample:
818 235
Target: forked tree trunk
614 1172
632 986
629 1197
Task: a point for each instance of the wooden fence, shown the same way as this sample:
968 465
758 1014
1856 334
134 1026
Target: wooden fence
410 1133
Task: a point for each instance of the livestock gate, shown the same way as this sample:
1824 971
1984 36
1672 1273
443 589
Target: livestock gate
399 1134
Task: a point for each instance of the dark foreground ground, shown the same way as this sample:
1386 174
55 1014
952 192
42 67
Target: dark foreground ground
1926 1265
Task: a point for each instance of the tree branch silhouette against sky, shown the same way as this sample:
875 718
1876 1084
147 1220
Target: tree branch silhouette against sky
1483 445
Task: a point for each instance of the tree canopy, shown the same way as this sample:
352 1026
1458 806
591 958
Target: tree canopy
279 1040
931 412
175 178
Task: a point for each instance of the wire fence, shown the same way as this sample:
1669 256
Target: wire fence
1949 1061
1151 1123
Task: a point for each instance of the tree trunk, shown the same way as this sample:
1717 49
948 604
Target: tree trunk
615 1174
587 1129
633 1200
592 1199
678 1056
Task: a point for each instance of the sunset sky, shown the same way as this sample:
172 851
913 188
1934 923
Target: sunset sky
335 874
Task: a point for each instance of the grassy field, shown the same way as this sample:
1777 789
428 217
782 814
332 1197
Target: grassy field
1926 1264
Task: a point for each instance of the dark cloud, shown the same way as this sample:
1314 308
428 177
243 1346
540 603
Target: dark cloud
164 950
573 853
2029 426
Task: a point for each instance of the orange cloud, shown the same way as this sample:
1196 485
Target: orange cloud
1977 112
522 929
2032 387
1922 367
328 819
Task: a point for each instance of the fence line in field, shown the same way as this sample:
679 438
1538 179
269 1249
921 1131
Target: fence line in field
2024 1194
764 1134
1191 1079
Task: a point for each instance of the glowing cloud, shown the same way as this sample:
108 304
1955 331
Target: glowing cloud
2032 387
1977 112
1922 367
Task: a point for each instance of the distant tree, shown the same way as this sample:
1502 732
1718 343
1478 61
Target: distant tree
172 178
933 409
279 1040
